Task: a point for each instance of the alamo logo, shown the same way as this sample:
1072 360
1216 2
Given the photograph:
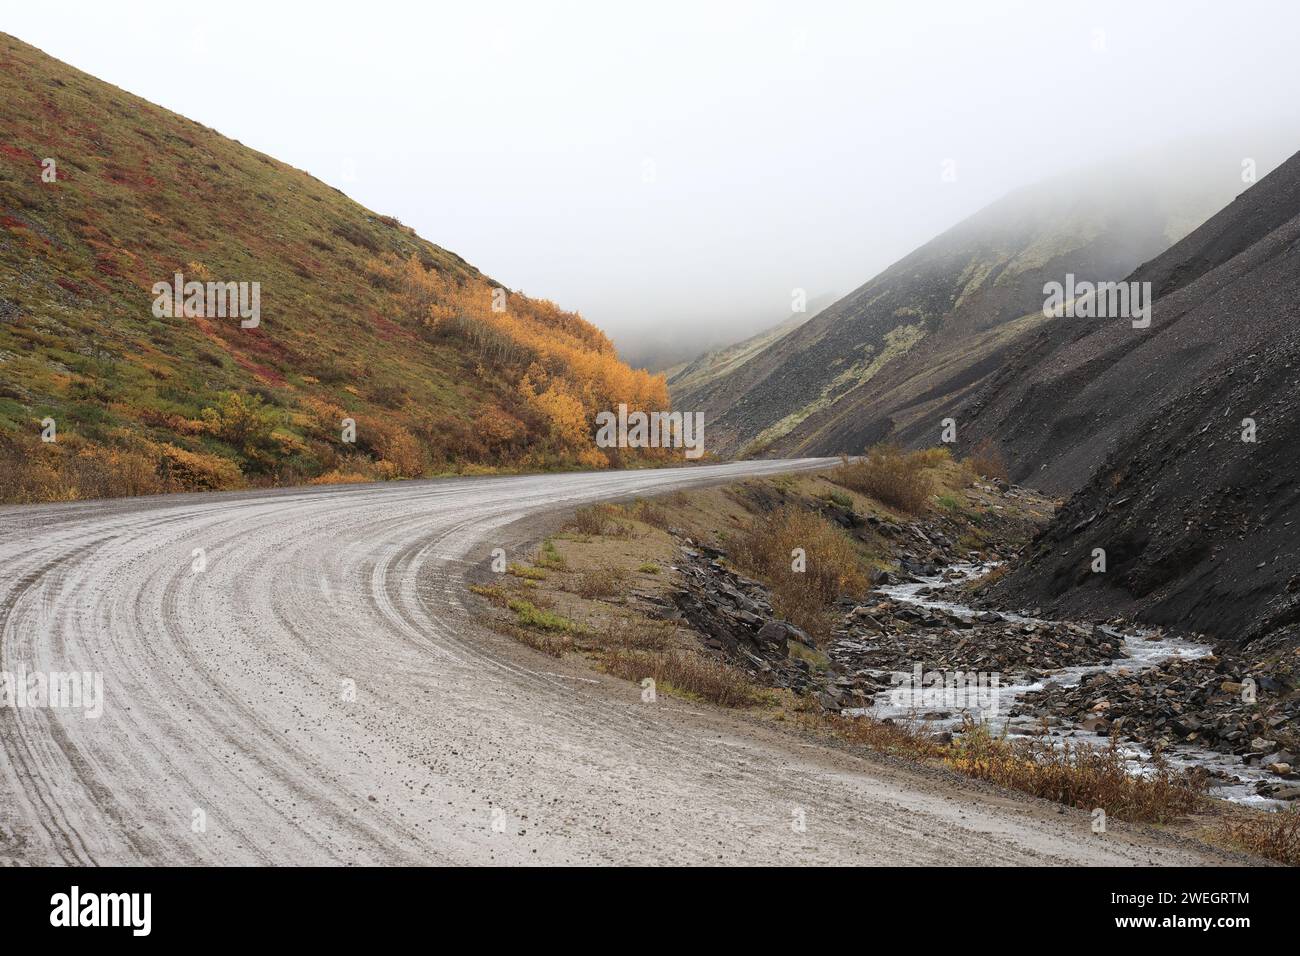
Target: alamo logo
651 430
1098 300
209 300
132 910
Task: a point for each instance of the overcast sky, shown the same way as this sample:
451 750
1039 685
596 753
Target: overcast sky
685 166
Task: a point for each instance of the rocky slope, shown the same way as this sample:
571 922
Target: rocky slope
1198 523
892 357
689 377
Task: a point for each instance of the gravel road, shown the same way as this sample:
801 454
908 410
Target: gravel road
229 732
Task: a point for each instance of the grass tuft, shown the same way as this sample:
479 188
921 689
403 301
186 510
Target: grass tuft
530 615
549 557
685 673
1076 775
601 582
600 519
1274 836
527 573
891 476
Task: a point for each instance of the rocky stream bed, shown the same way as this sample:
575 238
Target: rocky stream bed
1083 682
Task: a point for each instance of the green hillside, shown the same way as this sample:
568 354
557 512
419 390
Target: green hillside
360 318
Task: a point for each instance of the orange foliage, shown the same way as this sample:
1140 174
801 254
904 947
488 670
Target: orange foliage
401 455
566 370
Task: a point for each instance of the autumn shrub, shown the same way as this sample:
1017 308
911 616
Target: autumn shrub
1077 775
891 476
104 472
243 421
344 476
600 519
899 738
564 369
29 472
803 588
588 521
200 471
986 461
1274 836
399 448
652 513
933 457
75 469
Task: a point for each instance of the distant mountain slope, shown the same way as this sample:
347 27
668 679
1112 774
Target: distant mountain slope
360 318
900 353
1199 527
673 345
686 379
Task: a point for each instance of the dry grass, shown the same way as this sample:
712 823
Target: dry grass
934 457
600 519
1076 775
1274 836
523 571
684 672
893 477
987 461
601 582
652 513
548 642
638 634
993 576
833 567
539 597
496 595
589 520
533 625
885 736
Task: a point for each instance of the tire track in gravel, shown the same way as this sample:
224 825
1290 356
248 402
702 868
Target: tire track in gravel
223 693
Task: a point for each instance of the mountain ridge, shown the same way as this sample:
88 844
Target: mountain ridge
1195 518
905 349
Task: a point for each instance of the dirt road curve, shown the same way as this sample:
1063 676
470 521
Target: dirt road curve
224 705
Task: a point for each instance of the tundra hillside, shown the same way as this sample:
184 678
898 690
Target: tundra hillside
103 196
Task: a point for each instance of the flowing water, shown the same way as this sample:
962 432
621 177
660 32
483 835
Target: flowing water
1144 650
